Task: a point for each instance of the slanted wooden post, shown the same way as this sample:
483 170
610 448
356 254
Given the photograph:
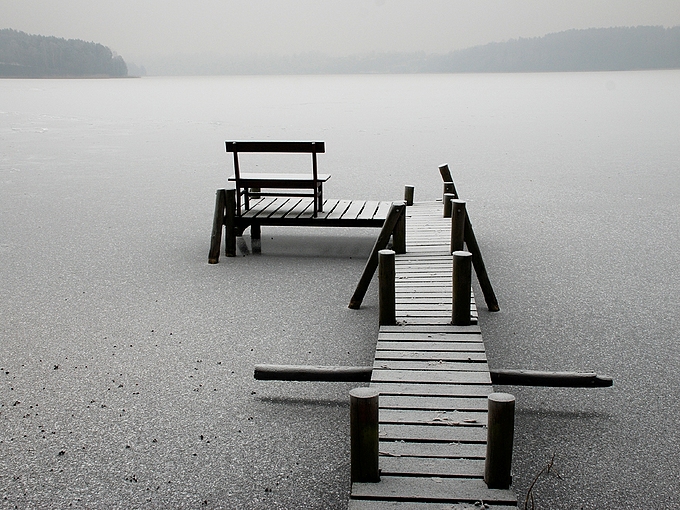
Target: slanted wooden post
386 288
397 209
218 224
408 194
500 434
448 197
399 232
363 417
480 268
445 173
230 223
458 217
462 276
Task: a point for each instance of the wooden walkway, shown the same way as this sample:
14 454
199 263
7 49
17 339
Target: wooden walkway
433 380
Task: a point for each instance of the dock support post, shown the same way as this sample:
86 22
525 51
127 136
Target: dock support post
363 414
256 237
462 281
399 232
218 224
500 434
230 222
397 209
448 197
458 217
387 315
408 194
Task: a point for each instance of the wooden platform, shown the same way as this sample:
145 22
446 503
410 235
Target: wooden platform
433 380
298 211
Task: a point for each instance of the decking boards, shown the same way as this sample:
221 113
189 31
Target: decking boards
296 211
434 381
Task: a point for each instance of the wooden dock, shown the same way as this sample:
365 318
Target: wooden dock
433 380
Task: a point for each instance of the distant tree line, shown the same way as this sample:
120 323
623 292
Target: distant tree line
37 56
597 49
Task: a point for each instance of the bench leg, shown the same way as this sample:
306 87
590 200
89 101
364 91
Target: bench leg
256 238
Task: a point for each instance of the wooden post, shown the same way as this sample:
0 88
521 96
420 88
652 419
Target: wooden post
500 433
312 373
256 237
408 194
445 173
386 288
363 414
393 216
218 224
480 268
449 187
458 216
462 275
448 197
230 222
399 232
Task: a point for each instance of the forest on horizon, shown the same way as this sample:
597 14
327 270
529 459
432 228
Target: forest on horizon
594 49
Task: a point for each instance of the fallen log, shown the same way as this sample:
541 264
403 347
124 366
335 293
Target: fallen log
554 379
312 373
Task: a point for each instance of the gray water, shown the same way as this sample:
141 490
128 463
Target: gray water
106 198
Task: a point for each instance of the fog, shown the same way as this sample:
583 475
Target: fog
137 29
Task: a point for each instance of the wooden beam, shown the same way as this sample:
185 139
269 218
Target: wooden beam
312 373
554 379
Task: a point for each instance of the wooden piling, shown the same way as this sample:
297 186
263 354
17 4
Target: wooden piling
363 409
500 434
230 223
408 194
458 217
462 276
218 224
387 315
397 209
448 197
399 232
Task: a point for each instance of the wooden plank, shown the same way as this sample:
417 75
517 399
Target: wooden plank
433 329
434 417
257 207
432 489
339 210
457 366
389 345
454 450
289 206
368 212
432 433
430 355
305 204
383 209
434 403
419 466
352 212
430 376
275 146
429 389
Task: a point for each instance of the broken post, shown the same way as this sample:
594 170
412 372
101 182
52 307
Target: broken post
363 415
387 315
218 224
462 281
500 434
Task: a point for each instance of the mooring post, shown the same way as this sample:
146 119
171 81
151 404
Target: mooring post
458 217
386 288
218 224
500 433
445 173
230 223
462 281
363 417
408 194
448 197
399 232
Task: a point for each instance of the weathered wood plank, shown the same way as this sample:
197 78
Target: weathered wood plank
415 466
430 376
432 433
355 207
429 355
368 504
457 366
428 389
368 212
339 210
432 489
434 403
383 209
390 345
431 329
453 450
434 417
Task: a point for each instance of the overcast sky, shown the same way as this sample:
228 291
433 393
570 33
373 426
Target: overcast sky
138 28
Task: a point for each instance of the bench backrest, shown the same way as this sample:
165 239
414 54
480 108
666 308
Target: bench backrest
275 146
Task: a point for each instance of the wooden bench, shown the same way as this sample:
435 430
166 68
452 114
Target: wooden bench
258 184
